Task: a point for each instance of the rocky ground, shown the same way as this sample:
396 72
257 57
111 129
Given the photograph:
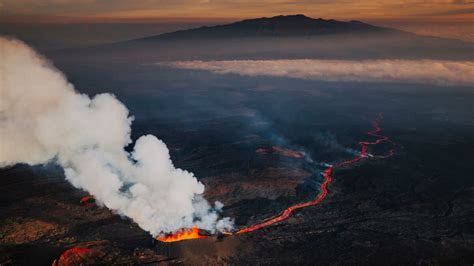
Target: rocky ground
399 211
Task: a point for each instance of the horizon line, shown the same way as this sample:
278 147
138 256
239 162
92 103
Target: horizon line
55 19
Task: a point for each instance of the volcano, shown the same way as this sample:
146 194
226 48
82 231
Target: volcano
278 26
279 37
301 166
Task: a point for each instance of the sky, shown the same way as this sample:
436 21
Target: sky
444 18
97 10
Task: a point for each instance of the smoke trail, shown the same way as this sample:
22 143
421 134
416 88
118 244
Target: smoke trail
329 141
42 119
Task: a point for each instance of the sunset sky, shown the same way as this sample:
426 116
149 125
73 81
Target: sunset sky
444 18
106 10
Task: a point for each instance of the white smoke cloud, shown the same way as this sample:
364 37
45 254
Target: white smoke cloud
43 119
407 71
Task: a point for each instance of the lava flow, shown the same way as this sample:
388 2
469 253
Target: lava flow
73 256
193 233
87 200
183 234
375 132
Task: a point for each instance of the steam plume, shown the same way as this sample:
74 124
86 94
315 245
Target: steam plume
43 119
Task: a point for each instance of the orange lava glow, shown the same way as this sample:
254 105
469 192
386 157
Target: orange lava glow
72 256
87 200
183 234
193 233
375 132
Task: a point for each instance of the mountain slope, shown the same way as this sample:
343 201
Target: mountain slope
280 37
279 26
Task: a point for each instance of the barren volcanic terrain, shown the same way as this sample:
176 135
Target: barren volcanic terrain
412 208
349 171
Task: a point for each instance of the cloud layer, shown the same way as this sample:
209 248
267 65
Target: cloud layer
405 71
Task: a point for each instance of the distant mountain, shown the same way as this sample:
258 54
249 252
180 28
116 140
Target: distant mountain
279 26
280 37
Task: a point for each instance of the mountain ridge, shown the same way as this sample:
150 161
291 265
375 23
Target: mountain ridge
278 26
279 37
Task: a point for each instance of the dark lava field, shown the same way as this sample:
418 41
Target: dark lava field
414 208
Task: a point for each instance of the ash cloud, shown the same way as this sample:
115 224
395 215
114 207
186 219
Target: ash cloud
43 119
438 72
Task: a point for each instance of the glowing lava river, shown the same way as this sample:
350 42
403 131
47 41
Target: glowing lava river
183 234
327 175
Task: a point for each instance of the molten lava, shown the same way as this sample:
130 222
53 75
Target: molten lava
87 200
375 132
183 234
73 256
286 213
193 233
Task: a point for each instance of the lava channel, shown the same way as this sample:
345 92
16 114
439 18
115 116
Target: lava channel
193 233
375 132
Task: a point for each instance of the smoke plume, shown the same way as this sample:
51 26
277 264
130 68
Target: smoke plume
437 72
43 119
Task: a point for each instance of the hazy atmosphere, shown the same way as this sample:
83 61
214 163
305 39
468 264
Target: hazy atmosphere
45 19
236 132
